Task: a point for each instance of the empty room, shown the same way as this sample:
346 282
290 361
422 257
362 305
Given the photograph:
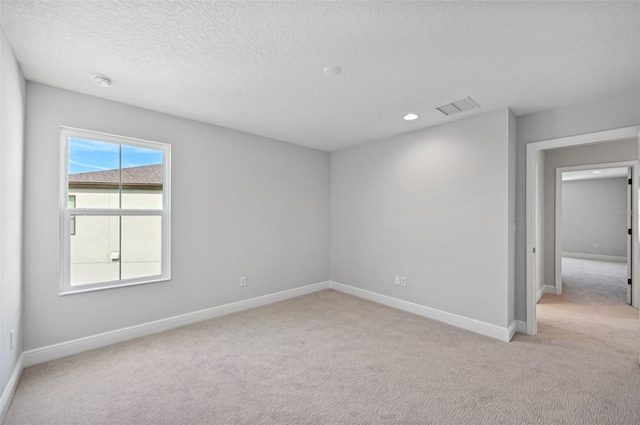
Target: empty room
319 212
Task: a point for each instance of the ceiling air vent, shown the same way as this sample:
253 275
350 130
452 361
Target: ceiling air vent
458 106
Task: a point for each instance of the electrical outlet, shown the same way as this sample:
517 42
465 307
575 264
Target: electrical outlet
595 246
243 281
397 281
11 339
403 281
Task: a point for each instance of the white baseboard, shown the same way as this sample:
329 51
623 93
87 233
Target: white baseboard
512 330
545 289
10 389
67 348
540 293
517 326
483 328
594 257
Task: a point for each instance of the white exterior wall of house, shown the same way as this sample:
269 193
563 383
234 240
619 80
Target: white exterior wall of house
108 198
98 254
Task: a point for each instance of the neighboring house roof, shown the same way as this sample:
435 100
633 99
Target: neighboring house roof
143 177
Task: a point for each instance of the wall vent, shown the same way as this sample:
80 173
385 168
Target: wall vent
461 105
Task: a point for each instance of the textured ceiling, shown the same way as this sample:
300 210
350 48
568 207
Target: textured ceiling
257 66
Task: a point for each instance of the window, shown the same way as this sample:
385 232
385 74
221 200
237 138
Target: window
115 215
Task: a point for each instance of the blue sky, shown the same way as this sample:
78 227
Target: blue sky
88 155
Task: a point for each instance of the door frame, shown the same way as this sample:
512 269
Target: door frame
533 149
558 225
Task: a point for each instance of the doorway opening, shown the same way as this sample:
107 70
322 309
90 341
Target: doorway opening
536 215
593 228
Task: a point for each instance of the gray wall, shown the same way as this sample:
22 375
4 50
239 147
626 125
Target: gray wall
594 211
617 110
12 117
623 150
241 205
433 206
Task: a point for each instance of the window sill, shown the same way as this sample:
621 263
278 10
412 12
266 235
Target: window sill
111 285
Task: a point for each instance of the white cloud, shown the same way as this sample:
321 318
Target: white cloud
92 166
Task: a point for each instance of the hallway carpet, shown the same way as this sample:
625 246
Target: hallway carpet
330 358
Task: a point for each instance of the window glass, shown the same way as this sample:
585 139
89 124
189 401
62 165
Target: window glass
94 165
72 204
141 246
141 178
98 237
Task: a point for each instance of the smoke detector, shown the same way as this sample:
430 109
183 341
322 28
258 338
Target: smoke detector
102 81
461 105
331 71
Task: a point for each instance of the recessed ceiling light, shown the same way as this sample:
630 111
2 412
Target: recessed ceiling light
410 117
331 71
597 172
102 81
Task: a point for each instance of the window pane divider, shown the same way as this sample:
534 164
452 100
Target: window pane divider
113 211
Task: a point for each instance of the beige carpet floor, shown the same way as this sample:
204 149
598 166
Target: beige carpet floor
330 358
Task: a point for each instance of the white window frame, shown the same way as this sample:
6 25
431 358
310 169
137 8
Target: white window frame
66 212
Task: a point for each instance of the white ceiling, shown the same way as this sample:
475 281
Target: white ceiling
257 66
604 173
